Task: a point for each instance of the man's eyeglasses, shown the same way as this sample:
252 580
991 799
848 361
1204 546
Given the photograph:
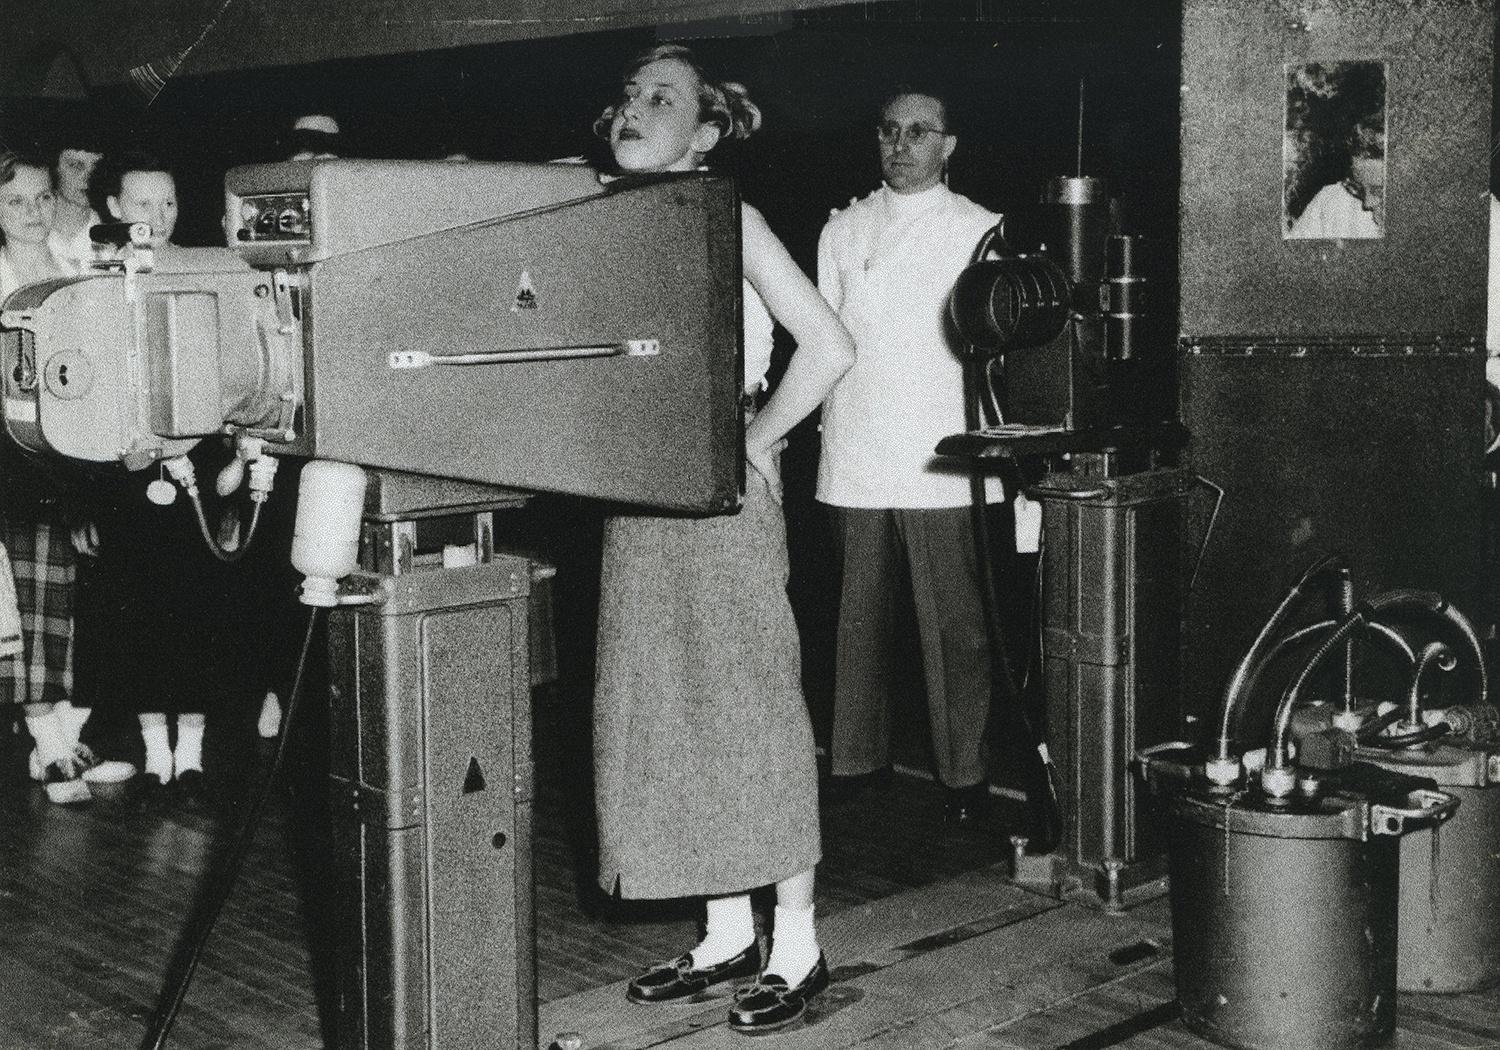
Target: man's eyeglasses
890 133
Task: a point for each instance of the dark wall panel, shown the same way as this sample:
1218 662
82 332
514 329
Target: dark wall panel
1370 452
1239 276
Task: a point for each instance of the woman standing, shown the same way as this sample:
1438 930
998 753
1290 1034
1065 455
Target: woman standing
704 764
31 517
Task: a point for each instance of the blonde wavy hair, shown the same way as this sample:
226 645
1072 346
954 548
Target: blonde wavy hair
722 103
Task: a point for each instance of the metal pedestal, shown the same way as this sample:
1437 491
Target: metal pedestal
430 734
1111 583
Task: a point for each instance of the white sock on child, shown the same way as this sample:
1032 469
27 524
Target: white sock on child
269 723
50 736
730 930
189 752
794 945
158 751
71 719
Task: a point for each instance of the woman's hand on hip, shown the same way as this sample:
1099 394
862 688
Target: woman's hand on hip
765 460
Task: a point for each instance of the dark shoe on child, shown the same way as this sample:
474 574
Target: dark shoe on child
147 791
678 978
190 789
771 1004
966 806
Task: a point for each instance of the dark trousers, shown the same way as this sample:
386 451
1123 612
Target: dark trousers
935 549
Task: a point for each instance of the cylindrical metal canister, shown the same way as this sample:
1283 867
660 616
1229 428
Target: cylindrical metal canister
1124 300
1284 915
1079 226
1450 874
1283 926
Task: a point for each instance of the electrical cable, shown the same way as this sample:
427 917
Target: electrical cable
1040 779
1036 656
994 372
1234 691
201 924
1279 754
1401 741
1208 532
214 547
1313 632
1375 726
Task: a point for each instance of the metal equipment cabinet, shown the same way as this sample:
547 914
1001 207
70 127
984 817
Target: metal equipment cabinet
1112 577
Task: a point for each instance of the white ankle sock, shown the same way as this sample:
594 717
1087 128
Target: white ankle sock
794 945
269 723
158 751
189 751
730 930
72 719
50 735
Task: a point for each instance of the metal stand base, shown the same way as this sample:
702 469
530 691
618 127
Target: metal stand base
1113 886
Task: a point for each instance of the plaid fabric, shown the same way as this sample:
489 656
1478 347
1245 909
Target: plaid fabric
41 558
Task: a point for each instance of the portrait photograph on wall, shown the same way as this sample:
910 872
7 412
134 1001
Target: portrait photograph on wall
1333 152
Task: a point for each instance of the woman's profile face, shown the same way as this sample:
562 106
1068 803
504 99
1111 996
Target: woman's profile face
27 206
656 125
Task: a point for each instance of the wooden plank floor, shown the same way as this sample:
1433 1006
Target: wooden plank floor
931 947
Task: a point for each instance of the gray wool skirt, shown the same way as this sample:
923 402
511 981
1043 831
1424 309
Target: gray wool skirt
704 770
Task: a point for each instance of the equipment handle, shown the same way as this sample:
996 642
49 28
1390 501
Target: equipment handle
409 359
1045 492
1430 807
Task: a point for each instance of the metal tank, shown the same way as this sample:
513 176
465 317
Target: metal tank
1285 912
1450 874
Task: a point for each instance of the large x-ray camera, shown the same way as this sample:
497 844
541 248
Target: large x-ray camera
518 326
510 324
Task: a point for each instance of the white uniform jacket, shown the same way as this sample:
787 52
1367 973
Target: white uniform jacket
887 265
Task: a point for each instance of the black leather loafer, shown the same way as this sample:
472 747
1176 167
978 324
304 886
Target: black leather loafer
677 978
770 1003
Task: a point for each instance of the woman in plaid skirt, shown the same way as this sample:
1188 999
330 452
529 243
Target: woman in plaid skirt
40 676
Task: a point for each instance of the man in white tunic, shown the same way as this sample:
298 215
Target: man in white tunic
887 264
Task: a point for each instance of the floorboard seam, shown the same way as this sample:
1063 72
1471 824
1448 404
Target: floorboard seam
1134 971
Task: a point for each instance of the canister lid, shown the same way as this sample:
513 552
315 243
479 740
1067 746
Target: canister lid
1450 763
1075 189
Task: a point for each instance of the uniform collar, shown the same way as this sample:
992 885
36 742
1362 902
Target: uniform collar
902 205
